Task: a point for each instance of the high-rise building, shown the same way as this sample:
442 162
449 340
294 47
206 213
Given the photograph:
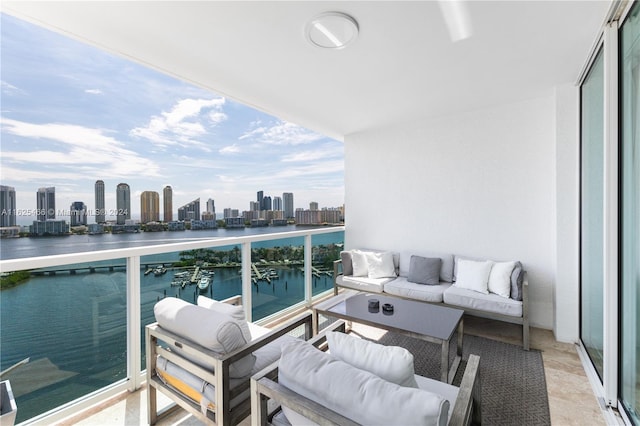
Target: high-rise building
190 211
254 206
277 203
167 203
123 203
149 207
211 207
100 207
78 213
313 205
230 213
287 199
46 203
266 203
260 197
7 206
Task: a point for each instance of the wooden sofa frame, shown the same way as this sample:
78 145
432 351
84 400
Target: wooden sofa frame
523 321
224 414
265 387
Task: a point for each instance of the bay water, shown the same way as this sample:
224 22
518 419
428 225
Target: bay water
73 326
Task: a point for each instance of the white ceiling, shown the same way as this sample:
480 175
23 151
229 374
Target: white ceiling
403 65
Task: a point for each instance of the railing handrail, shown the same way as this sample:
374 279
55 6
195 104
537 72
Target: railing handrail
11 265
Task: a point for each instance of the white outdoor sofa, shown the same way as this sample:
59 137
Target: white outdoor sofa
358 383
433 277
203 356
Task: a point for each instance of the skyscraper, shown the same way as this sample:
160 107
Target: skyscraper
123 203
313 205
78 213
190 211
259 198
167 203
277 203
287 198
266 203
211 206
100 208
149 207
46 203
7 206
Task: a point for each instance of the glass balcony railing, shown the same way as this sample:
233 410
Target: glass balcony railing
80 318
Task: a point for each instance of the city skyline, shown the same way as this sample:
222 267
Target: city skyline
72 115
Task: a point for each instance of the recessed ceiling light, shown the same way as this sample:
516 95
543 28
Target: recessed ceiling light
332 30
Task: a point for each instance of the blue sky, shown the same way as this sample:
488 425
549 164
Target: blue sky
72 114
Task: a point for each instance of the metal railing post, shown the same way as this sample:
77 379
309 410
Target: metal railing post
134 347
246 280
308 272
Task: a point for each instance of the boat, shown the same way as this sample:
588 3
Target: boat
203 284
159 270
183 274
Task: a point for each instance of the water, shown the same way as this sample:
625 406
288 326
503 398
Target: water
73 326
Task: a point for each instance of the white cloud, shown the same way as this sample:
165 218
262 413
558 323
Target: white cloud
308 156
281 133
90 150
231 149
184 124
10 88
93 91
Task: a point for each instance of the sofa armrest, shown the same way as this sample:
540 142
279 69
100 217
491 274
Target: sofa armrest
525 311
337 270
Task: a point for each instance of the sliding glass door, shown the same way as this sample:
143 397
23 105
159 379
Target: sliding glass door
591 212
630 214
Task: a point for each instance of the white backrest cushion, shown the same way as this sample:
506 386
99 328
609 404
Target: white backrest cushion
213 330
234 311
354 393
391 363
380 265
500 278
359 262
473 275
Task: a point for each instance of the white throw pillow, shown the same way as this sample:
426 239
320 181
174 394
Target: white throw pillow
359 262
391 363
234 311
500 278
474 275
354 393
380 265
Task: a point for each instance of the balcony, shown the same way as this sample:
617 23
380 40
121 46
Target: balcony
90 309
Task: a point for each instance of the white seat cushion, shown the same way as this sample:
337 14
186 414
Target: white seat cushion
465 298
371 285
425 293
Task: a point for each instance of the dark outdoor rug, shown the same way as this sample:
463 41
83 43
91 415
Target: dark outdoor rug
513 389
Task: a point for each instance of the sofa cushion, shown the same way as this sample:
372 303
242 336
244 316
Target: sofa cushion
516 281
347 266
380 265
425 293
356 394
500 278
424 270
372 285
465 298
359 263
391 363
516 276
446 269
473 275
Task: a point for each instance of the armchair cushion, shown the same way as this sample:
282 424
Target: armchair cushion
234 311
206 327
357 394
391 363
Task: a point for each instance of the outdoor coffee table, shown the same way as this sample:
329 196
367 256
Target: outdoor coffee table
419 320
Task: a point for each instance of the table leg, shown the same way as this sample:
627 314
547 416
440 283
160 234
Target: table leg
314 322
460 335
444 362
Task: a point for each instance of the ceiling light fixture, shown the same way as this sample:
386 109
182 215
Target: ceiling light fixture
332 30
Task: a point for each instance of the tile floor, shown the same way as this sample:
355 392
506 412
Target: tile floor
571 399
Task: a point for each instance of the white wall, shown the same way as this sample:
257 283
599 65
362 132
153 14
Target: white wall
567 293
480 183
